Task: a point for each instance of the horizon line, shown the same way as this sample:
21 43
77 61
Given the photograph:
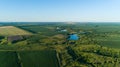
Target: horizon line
63 21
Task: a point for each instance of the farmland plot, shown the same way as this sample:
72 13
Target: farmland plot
44 58
39 58
110 41
8 59
11 30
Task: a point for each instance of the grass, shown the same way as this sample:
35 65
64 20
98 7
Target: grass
111 44
36 28
8 59
43 58
11 30
43 30
111 40
39 58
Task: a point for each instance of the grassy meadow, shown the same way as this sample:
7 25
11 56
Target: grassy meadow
11 30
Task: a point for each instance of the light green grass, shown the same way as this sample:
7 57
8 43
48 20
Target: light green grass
11 30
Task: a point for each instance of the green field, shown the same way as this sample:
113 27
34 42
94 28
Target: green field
11 30
43 58
8 59
37 28
109 41
39 58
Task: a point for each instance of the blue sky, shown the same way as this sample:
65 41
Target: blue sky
60 10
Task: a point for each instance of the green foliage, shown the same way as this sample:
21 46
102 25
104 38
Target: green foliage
1 37
4 41
95 55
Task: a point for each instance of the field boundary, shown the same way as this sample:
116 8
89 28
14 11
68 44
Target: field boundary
19 59
58 59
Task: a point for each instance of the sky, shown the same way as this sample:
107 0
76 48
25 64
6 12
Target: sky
59 10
